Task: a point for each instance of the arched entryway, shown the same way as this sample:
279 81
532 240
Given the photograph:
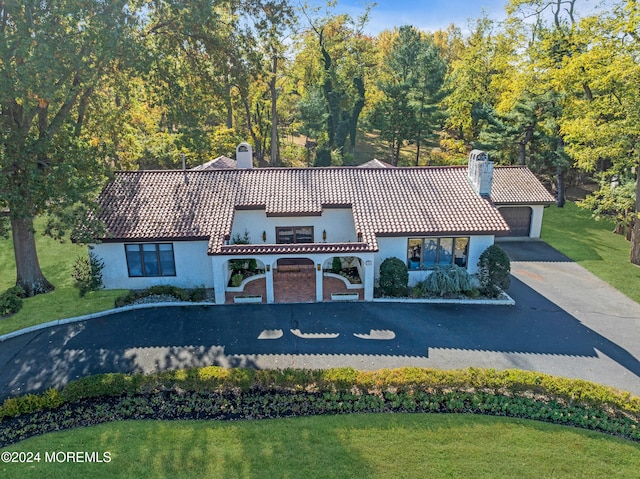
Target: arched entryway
294 280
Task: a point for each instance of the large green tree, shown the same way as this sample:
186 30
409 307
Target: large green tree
411 90
53 57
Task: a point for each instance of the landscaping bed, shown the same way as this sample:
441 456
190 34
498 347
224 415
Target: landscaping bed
235 394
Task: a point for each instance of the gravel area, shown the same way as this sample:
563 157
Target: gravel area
157 298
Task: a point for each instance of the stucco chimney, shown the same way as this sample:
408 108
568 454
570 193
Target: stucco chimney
480 172
244 156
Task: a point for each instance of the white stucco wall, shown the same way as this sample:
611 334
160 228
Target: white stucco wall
193 267
337 222
397 246
536 221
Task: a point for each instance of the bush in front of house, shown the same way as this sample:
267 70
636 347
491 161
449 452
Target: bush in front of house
11 301
394 277
180 294
446 281
87 273
494 268
336 265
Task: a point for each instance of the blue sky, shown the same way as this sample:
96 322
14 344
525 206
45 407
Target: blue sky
432 15
424 14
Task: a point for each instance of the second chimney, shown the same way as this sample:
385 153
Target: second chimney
244 156
480 172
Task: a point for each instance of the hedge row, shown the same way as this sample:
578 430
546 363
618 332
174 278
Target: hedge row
216 393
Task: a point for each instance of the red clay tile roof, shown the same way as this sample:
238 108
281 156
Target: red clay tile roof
220 163
375 163
200 204
242 249
518 185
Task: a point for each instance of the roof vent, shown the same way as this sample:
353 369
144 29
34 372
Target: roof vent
244 156
480 172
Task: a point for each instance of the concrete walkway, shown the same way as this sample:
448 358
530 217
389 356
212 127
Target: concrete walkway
565 322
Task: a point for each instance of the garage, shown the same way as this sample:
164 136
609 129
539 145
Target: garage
518 218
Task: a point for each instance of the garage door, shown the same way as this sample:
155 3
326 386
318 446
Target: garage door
518 219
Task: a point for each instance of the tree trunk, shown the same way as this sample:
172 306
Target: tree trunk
560 201
635 233
274 112
29 275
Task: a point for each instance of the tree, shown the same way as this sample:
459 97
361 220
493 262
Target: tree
340 56
603 126
53 57
410 77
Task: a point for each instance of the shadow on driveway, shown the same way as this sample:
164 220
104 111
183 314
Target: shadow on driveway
172 338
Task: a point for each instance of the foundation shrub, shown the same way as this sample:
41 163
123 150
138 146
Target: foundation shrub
494 268
447 280
236 280
394 277
336 265
165 289
87 273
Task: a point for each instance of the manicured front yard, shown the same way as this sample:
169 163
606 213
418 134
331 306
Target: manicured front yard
359 445
56 260
590 243
570 230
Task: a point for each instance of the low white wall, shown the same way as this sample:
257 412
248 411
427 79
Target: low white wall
337 222
193 267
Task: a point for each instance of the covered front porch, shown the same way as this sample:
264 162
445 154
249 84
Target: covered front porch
292 278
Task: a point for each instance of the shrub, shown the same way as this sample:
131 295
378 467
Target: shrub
165 289
198 294
394 277
236 280
493 271
11 301
447 280
87 273
216 393
178 293
336 264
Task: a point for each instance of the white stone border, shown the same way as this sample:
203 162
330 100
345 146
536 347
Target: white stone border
508 301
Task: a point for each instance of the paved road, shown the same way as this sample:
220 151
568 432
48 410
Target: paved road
565 322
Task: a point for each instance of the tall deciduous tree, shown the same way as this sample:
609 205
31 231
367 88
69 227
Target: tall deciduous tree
603 126
53 56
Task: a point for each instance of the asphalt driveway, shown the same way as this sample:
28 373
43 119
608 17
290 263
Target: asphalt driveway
565 322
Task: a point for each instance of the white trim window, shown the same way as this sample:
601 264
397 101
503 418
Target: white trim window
150 259
426 253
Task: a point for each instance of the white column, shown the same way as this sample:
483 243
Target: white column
269 282
369 271
219 278
318 267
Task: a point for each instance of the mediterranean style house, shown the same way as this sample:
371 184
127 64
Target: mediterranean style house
185 227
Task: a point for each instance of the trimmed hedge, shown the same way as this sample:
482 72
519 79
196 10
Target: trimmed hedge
394 277
217 393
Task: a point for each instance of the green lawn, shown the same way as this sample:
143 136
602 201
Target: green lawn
573 232
56 260
366 446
